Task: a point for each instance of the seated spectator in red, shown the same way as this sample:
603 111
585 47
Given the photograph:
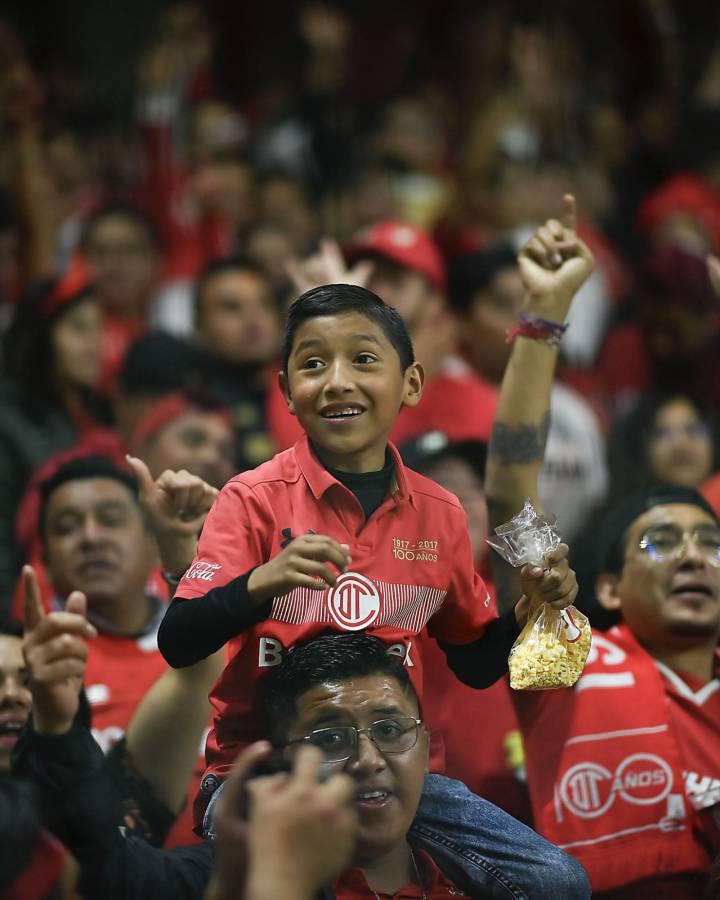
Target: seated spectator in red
120 248
48 397
479 729
185 431
666 439
156 364
181 431
622 768
237 321
97 540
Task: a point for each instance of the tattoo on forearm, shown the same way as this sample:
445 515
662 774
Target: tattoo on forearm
518 444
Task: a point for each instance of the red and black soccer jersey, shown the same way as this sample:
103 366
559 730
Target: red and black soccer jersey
411 567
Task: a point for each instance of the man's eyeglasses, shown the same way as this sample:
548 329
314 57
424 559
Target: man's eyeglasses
339 742
668 541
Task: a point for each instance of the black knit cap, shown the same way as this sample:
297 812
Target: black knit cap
614 527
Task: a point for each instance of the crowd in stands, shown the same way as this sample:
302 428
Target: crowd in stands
535 190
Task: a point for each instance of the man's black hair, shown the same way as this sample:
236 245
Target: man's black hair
336 299
220 266
614 528
123 211
328 659
473 272
80 469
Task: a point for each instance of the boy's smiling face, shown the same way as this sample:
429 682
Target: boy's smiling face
345 384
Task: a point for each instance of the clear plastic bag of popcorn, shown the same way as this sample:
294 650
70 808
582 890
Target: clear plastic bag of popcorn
551 650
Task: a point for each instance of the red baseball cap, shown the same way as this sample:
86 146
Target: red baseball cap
402 244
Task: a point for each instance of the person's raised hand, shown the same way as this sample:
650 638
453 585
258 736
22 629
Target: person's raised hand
327 266
176 502
554 264
305 825
55 651
229 827
555 583
307 561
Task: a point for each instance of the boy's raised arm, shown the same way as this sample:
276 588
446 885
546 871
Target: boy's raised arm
554 264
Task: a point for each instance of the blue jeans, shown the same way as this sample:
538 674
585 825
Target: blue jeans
481 845
494 851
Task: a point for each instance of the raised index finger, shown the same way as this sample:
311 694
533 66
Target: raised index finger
142 473
33 612
569 217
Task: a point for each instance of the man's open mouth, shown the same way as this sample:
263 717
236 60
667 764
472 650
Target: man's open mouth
372 797
692 589
10 729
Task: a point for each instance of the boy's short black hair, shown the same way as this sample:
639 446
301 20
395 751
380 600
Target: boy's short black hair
328 659
336 299
614 528
80 469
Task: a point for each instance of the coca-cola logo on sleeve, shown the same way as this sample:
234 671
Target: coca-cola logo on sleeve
202 571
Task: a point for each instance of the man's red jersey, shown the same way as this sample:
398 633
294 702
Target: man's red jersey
412 566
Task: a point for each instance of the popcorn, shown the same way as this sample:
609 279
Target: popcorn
551 650
553 646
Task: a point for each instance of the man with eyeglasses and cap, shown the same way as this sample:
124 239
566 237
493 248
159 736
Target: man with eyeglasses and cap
623 768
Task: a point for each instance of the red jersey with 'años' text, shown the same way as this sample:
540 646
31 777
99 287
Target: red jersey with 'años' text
411 567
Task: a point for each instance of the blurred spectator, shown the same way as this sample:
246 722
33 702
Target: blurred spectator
156 364
668 341
48 397
15 697
408 272
186 432
666 439
487 294
97 539
237 322
120 248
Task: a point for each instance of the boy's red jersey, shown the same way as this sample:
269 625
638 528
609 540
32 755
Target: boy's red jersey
411 567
